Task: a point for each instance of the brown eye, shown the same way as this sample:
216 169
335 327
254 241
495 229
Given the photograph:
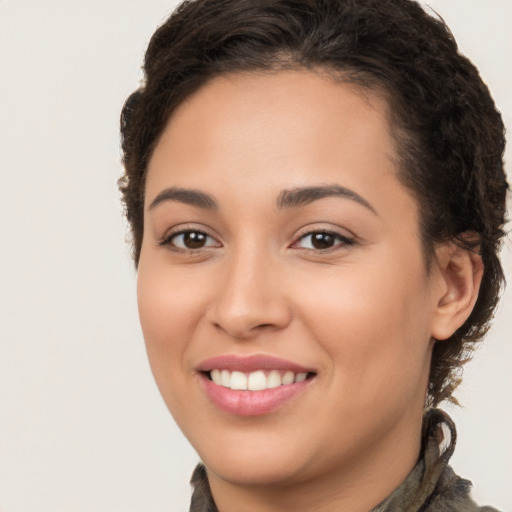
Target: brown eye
323 241
194 240
191 240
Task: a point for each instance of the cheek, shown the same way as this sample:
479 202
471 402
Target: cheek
169 311
373 324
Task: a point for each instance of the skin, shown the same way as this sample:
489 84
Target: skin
361 313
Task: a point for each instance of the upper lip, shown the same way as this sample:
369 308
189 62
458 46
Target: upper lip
252 363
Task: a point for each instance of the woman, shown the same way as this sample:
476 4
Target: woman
316 194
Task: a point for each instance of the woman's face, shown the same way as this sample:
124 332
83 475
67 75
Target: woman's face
279 246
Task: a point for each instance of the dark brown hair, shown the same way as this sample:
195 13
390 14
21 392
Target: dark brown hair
449 135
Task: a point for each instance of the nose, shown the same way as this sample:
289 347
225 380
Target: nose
250 297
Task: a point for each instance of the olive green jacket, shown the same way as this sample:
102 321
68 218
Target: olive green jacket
431 486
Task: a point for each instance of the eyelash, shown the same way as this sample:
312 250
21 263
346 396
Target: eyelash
168 240
340 239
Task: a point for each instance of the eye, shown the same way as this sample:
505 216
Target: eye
190 240
322 241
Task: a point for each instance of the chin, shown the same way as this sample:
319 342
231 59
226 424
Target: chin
243 472
256 461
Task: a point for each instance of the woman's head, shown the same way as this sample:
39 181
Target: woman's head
281 249
448 135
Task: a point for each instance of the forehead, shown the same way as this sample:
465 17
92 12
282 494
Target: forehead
255 134
298 114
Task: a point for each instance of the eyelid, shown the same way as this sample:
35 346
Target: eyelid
344 239
166 239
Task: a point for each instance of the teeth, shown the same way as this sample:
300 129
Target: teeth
288 378
300 377
238 380
216 377
225 377
255 381
273 379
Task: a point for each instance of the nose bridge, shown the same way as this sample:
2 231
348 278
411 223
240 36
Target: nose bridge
250 297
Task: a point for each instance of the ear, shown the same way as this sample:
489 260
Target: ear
460 273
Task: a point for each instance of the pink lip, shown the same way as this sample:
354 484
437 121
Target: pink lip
250 364
250 403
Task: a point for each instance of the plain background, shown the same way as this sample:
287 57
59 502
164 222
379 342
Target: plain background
82 426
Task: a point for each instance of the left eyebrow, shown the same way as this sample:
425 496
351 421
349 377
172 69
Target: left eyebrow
305 195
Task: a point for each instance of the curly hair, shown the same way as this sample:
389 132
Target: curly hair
449 134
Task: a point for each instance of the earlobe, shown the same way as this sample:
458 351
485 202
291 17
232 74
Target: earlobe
460 272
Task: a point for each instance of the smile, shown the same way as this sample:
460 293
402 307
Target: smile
253 385
257 380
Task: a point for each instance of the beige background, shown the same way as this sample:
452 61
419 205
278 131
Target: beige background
82 427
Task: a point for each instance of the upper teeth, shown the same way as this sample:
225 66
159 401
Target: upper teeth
255 381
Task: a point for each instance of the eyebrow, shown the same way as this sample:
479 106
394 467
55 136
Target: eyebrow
305 195
293 198
186 196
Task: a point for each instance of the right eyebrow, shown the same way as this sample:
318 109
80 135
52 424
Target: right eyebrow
186 196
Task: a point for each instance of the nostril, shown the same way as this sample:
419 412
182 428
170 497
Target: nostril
244 320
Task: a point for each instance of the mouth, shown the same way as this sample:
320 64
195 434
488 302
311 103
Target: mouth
258 380
254 385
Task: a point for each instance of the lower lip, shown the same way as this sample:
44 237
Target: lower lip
251 403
